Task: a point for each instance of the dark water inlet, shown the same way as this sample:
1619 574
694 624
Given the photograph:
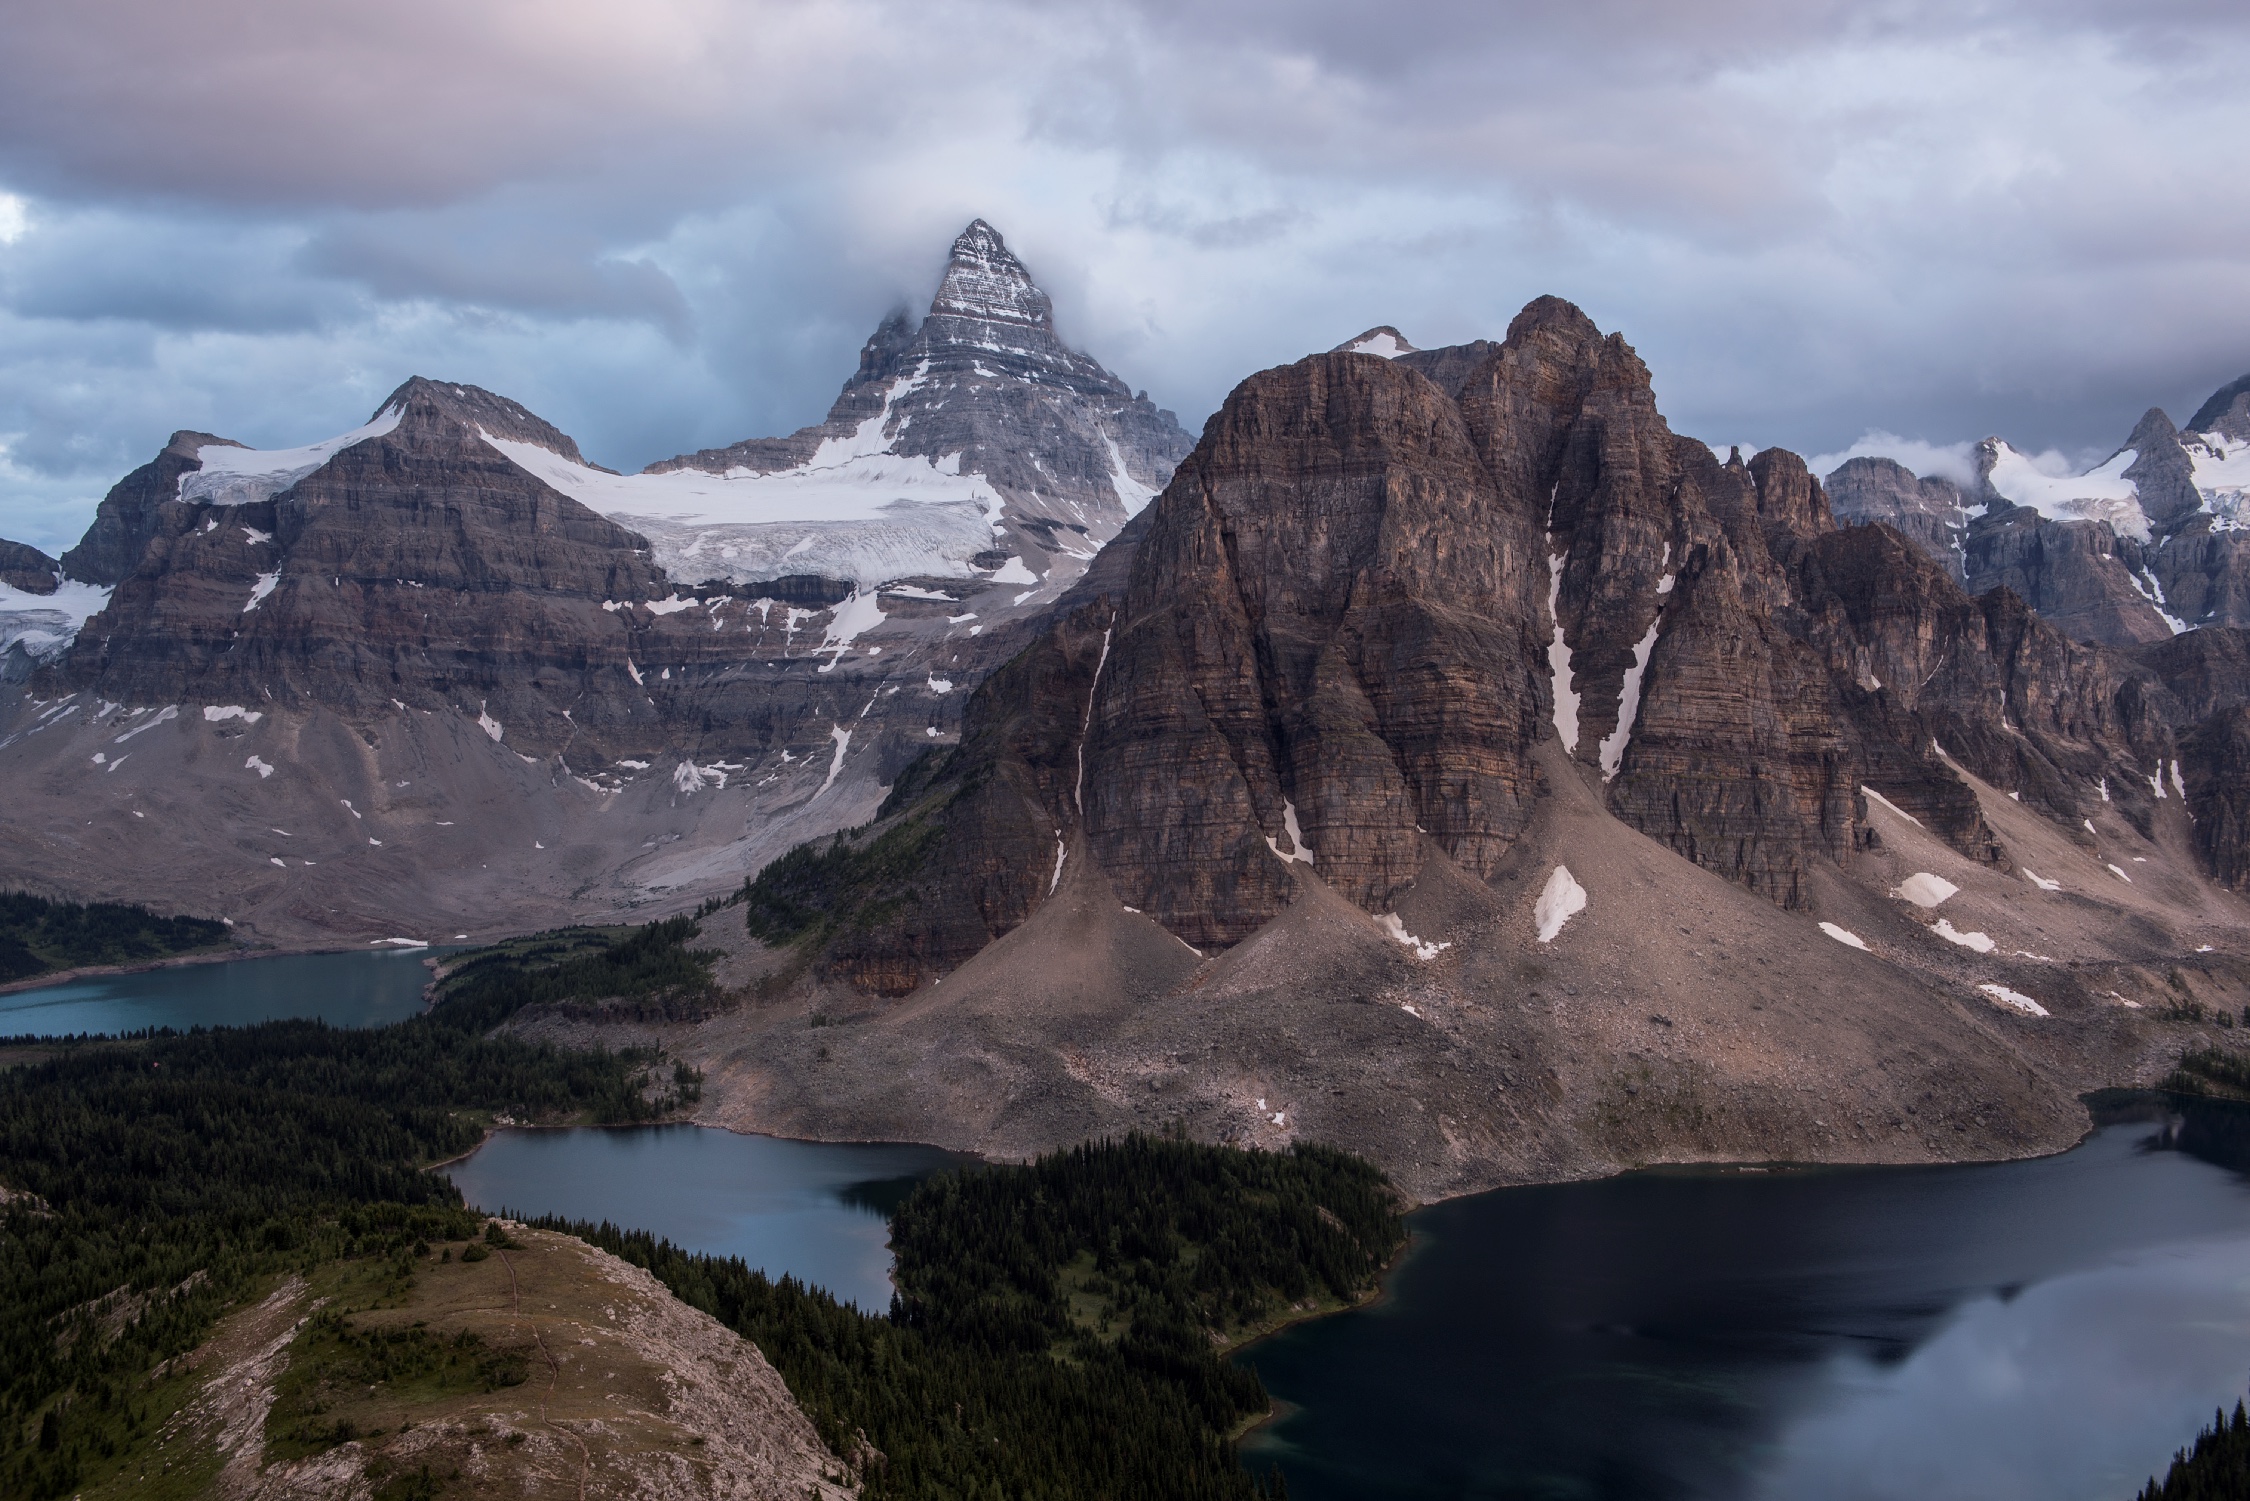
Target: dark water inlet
2050 1329
814 1210
369 989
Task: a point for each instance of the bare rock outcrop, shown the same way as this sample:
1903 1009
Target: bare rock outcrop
1363 603
1925 508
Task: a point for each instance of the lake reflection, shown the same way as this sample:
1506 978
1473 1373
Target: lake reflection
812 1210
2048 1329
369 989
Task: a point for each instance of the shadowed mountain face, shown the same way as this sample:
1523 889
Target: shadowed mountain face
1364 602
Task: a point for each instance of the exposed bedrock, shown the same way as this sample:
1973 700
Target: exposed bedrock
1362 602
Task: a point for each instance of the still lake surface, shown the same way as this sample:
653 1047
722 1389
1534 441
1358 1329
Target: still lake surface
814 1210
2049 1329
369 989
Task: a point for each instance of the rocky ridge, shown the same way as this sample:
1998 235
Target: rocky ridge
419 639
1492 780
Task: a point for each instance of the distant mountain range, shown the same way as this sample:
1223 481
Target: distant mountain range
656 676
2143 546
1441 757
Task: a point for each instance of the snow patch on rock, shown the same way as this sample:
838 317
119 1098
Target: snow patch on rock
1924 889
1561 900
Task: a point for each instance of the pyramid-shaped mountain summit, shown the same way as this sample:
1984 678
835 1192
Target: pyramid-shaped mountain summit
1055 451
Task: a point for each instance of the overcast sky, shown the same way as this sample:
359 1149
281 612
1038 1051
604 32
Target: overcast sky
669 224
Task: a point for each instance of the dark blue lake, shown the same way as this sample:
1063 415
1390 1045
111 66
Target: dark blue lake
368 989
2049 1329
809 1209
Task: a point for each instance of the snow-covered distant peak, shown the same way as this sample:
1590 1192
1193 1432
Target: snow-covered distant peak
2222 477
233 476
2101 494
1383 341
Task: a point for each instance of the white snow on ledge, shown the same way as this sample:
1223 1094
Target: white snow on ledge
1924 889
2101 494
2015 998
46 624
1561 900
1392 925
238 476
1845 936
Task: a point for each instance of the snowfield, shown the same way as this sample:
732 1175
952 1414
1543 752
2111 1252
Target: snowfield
233 476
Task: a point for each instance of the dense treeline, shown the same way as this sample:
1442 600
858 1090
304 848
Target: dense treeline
2216 1469
1057 1332
643 974
150 1179
37 935
815 889
2218 1072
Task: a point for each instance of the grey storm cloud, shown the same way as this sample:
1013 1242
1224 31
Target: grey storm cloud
669 224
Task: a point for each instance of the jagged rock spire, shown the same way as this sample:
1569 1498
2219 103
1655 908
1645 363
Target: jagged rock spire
985 284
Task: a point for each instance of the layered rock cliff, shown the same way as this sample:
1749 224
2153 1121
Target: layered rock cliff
1925 509
1480 775
1363 602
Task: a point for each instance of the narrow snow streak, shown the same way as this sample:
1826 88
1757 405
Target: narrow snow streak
1845 936
1629 700
843 739
1061 850
1086 727
1558 661
1876 797
2040 881
1296 850
2017 999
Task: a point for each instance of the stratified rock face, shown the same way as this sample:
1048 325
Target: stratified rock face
26 568
1926 509
1331 637
1363 602
128 516
2226 411
1009 454
417 565
2082 578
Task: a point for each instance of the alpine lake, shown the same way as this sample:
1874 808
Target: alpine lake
2048 1329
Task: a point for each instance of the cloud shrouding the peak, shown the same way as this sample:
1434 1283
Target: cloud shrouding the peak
669 225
